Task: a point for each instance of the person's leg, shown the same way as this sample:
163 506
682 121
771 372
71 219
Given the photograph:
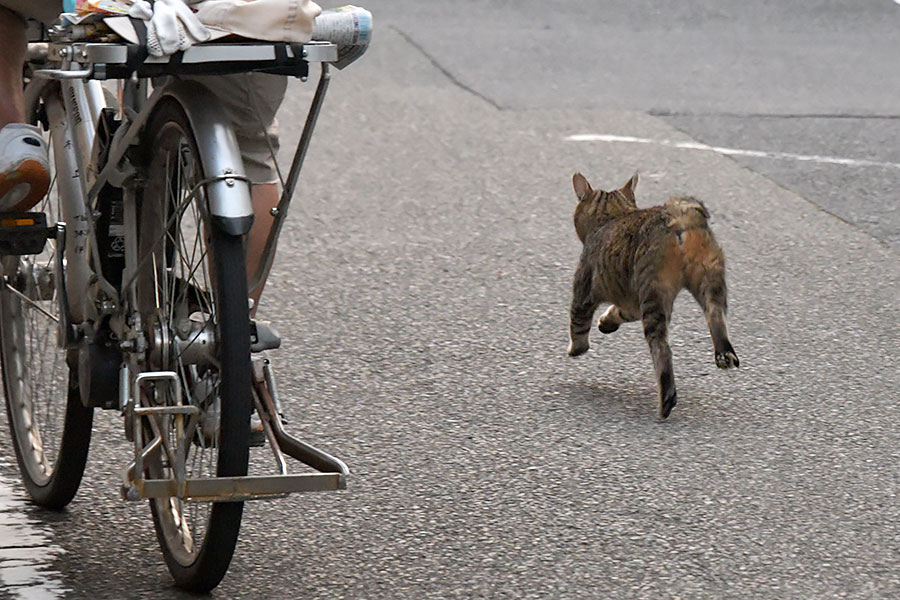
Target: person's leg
12 57
24 168
265 198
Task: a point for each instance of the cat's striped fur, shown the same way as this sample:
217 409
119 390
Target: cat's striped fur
638 260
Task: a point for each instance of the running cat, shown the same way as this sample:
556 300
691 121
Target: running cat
638 260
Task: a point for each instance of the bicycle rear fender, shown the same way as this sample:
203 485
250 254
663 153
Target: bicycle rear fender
227 188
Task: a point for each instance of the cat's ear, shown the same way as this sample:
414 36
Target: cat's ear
632 183
581 185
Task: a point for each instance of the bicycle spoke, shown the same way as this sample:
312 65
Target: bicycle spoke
181 285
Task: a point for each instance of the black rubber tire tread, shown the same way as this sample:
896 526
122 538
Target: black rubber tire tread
75 442
68 471
233 340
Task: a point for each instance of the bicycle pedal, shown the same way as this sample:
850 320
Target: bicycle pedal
263 336
24 233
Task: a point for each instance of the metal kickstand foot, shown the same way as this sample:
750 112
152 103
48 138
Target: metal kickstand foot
268 406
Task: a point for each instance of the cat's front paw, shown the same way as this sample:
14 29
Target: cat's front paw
577 349
727 359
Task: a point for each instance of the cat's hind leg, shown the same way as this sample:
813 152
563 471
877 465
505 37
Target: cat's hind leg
612 318
581 313
711 294
655 311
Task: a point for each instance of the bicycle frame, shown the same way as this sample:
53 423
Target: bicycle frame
72 141
85 99
89 298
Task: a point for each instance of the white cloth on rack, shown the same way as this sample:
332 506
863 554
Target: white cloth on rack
171 26
270 20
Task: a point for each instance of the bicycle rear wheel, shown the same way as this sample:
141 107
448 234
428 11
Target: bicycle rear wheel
192 296
50 427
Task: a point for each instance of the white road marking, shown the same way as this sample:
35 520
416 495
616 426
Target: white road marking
831 160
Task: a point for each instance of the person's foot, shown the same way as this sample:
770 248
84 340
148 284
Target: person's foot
24 167
263 336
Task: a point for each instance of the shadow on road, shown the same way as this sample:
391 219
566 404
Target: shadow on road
611 401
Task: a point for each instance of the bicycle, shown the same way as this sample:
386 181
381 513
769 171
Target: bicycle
126 290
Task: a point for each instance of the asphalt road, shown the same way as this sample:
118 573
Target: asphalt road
422 291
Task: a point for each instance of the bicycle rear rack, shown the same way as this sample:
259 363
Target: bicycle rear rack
332 472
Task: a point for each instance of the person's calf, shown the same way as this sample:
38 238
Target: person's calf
12 57
265 197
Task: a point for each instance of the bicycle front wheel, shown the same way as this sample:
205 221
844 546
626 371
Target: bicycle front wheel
50 427
192 297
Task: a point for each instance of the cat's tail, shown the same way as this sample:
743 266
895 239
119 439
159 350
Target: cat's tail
686 213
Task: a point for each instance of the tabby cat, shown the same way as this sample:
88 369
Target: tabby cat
638 260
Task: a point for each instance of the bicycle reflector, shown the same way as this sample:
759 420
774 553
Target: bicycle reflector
23 233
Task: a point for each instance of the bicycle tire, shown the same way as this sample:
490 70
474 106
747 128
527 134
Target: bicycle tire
216 290
51 446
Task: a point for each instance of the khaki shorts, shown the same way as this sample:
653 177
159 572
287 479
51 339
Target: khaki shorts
250 101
